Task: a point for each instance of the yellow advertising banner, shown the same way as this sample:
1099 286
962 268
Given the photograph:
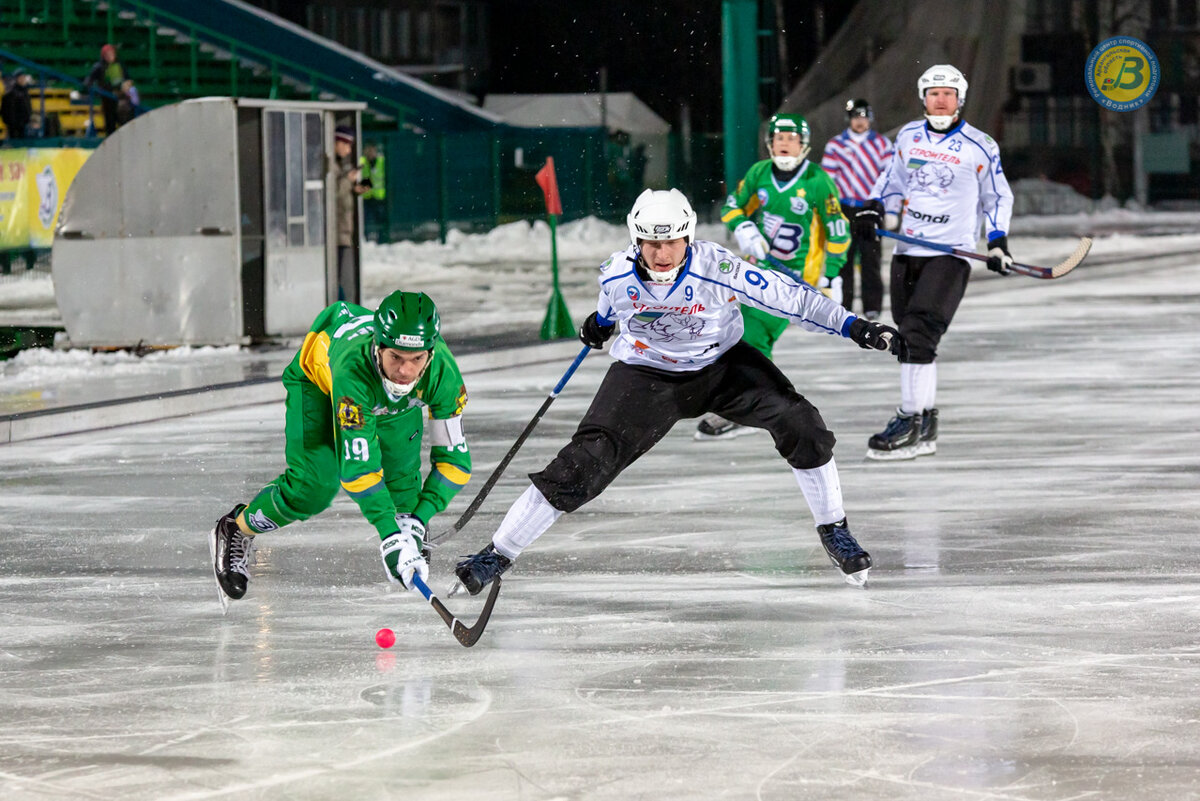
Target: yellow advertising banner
33 183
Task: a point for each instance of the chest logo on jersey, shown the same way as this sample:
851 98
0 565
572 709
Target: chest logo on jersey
349 414
632 292
932 178
799 205
763 197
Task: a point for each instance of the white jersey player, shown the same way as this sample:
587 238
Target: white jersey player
945 176
689 323
680 355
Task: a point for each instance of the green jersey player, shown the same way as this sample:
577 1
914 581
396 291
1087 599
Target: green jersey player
786 210
357 394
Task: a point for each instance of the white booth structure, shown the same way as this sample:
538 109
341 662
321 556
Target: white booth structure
207 222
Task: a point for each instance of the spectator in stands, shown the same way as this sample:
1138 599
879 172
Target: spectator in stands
348 190
15 107
107 74
375 197
127 102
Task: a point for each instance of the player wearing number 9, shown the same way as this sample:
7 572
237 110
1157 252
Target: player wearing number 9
672 307
358 393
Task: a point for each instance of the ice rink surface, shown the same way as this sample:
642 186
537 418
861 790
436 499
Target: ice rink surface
1030 630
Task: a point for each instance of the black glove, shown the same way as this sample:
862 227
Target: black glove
869 335
999 259
868 217
594 335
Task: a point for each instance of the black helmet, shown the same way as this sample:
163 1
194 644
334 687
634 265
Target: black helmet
859 108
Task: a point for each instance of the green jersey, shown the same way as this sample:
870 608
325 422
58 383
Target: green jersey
338 357
802 219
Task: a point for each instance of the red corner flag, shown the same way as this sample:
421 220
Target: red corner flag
549 184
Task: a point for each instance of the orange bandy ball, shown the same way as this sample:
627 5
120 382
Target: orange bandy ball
386 638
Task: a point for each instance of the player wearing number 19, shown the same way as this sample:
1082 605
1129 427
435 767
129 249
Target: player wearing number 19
357 393
785 209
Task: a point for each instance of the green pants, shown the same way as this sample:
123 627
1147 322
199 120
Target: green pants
312 478
762 329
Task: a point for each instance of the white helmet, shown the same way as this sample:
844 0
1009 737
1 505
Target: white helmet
659 215
942 75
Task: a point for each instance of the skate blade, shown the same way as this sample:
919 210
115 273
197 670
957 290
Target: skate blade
212 562
740 431
926 448
898 455
858 579
455 589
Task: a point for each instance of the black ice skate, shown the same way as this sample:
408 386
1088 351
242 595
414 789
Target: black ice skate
899 440
845 552
929 427
713 426
477 571
230 550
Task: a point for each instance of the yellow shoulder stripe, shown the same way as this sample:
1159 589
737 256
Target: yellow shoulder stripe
314 360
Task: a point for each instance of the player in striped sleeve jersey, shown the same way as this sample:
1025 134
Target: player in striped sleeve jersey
854 159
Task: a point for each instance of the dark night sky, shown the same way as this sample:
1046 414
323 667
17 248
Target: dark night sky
667 52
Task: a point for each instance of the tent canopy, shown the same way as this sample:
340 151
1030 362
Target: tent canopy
622 112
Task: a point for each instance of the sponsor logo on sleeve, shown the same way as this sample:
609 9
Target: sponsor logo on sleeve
349 414
461 402
724 266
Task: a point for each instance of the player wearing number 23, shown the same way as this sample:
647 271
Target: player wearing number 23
357 395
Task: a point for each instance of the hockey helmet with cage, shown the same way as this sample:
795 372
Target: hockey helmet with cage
943 75
407 321
857 107
788 123
659 215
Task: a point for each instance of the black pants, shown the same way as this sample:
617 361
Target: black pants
870 254
926 291
635 407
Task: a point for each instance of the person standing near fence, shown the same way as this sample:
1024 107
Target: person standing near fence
374 182
854 159
108 74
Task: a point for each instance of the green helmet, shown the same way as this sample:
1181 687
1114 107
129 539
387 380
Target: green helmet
789 123
407 321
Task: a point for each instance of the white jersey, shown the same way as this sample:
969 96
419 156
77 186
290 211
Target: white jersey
943 183
687 325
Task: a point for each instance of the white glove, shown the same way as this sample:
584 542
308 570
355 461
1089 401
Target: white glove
401 552
751 241
891 222
831 288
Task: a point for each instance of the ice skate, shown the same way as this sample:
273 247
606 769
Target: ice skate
899 440
477 571
845 552
230 551
929 430
713 426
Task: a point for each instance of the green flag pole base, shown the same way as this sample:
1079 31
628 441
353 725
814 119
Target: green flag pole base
557 324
